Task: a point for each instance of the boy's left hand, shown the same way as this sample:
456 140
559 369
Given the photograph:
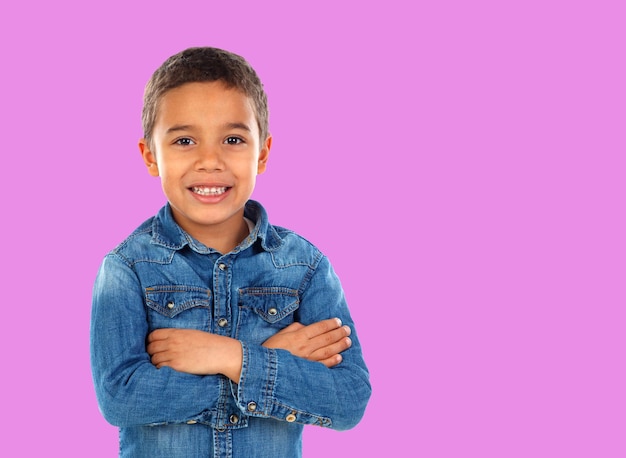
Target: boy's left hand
323 341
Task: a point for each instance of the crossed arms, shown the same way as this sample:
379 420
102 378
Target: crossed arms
202 353
137 372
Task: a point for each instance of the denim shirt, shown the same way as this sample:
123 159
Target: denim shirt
160 277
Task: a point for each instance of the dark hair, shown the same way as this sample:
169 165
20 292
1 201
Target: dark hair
204 65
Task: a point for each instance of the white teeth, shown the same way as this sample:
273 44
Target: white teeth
206 191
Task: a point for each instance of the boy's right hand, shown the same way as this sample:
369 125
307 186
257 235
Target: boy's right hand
322 341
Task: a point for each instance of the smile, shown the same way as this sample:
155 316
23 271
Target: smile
207 191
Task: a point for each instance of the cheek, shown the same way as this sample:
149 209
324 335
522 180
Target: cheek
172 169
169 177
244 166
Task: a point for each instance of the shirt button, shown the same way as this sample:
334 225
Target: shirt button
290 418
170 305
222 266
234 419
222 322
251 406
192 422
272 311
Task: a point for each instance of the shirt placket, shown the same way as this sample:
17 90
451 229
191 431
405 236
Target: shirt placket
222 326
221 296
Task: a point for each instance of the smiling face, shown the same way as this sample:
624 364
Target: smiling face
206 149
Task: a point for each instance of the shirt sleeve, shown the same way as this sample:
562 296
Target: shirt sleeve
130 390
275 383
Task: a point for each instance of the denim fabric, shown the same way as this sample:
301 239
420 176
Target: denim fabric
160 277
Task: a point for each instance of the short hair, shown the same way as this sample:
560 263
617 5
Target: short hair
204 64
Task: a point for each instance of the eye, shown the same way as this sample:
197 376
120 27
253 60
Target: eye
233 141
185 141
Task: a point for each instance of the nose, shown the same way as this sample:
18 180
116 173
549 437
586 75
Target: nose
209 159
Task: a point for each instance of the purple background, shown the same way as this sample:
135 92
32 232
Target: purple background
461 163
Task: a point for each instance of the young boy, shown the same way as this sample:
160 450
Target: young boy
214 333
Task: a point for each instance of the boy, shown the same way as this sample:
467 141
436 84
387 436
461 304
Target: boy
214 333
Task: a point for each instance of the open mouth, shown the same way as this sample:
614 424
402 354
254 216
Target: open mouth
209 190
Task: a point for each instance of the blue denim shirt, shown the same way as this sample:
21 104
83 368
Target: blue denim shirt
160 277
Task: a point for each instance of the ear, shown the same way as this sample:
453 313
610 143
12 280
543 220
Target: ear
264 155
149 158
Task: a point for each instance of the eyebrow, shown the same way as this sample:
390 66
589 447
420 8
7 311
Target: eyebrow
238 125
177 128
228 126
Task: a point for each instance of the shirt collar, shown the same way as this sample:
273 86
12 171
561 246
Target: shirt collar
167 233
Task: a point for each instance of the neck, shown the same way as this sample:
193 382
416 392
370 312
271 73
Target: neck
226 240
222 236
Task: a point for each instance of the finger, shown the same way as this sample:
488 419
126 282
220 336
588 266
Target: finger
158 334
332 361
321 327
329 351
156 346
323 340
329 338
159 359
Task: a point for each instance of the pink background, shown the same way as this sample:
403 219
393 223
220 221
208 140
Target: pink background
460 162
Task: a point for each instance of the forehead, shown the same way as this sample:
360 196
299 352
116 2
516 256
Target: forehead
207 101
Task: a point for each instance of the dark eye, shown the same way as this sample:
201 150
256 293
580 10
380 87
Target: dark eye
184 141
233 141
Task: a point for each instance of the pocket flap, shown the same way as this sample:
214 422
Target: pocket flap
170 300
271 303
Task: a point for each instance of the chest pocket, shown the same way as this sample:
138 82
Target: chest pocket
177 306
266 310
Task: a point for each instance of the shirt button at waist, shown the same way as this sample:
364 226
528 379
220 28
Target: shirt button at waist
222 322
